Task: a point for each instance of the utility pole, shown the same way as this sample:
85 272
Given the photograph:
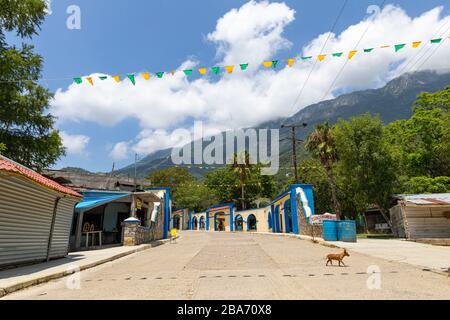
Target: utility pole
135 172
294 145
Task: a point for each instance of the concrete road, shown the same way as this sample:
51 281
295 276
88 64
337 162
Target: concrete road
244 266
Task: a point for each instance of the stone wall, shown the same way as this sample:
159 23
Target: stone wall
134 234
307 229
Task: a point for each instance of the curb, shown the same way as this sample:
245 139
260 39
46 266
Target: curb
43 279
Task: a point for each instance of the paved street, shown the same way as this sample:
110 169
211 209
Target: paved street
244 266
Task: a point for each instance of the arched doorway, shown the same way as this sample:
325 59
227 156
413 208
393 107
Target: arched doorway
239 223
219 221
194 223
177 222
202 223
251 223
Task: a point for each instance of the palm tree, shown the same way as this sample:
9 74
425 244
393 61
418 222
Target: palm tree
242 167
321 145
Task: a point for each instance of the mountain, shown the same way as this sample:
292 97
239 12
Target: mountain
392 102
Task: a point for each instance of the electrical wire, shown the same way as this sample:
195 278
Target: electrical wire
347 60
321 52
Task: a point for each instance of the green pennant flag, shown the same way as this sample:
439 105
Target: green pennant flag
187 72
244 66
78 80
216 70
436 40
132 78
160 74
368 50
306 58
337 54
399 47
103 77
274 63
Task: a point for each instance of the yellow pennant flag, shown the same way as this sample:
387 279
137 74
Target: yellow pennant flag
117 78
416 44
146 75
90 80
229 69
267 64
202 70
321 57
173 72
291 62
383 47
351 54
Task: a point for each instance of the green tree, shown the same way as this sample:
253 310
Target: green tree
321 145
242 168
421 144
195 196
226 186
428 101
419 185
173 177
26 128
367 174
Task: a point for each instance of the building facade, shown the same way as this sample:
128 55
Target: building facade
287 213
35 215
421 216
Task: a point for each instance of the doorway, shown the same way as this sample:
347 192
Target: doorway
219 221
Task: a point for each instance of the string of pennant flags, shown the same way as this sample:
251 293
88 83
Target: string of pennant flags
272 64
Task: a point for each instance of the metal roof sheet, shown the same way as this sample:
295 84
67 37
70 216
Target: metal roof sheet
13 167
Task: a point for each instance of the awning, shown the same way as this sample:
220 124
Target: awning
95 199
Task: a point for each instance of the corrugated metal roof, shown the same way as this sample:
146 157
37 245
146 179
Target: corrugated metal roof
427 199
11 166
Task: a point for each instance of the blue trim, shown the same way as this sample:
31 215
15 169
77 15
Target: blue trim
281 196
190 220
271 216
277 218
232 218
286 217
166 208
293 201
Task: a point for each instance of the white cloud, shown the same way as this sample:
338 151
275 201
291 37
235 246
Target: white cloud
120 151
254 33
74 144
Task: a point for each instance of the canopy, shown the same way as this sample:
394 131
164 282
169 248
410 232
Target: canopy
95 199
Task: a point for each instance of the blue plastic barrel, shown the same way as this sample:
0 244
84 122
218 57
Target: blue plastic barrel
346 231
330 230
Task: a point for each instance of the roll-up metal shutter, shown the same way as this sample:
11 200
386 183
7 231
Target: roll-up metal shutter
61 231
26 212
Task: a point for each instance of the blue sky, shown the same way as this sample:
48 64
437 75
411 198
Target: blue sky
118 37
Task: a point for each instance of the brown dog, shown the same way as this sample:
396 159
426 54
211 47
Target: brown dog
338 257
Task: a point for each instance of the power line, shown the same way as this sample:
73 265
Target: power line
347 60
432 53
422 49
321 51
